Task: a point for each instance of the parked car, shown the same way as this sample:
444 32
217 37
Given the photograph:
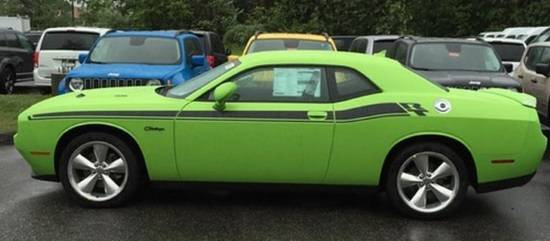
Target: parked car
533 72
509 50
457 63
137 58
310 117
373 44
34 37
15 59
531 34
216 53
343 42
58 50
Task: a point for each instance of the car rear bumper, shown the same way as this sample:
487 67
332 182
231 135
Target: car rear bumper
504 184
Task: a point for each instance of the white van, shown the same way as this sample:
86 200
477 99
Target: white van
58 49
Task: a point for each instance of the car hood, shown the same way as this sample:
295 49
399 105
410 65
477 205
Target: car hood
471 79
124 71
139 99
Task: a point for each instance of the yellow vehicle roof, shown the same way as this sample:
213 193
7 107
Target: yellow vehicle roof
302 36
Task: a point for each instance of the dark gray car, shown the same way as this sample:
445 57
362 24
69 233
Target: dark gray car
458 63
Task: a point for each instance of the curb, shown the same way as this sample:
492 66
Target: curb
6 139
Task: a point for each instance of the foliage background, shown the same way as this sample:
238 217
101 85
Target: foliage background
238 19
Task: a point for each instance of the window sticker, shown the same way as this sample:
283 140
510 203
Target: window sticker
295 82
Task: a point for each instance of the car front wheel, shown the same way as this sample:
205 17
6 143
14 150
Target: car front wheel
100 170
7 81
427 181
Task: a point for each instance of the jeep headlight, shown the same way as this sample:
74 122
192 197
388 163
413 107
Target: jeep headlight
76 84
154 82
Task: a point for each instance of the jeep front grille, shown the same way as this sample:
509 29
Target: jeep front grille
94 83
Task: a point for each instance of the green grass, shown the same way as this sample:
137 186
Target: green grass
11 106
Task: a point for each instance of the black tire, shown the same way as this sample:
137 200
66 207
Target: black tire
135 170
399 159
7 81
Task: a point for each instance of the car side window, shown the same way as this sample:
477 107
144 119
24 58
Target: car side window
401 53
2 40
533 57
192 47
350 84
12 40
359 46
24 42
281 84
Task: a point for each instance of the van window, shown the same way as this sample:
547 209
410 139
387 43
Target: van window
12 40
68 40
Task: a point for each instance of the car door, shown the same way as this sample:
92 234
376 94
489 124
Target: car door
359 108
541 83
26 52
15 52
192 47
277 128
530 79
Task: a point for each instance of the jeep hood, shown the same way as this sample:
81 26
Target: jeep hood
107 99
125 71
472 79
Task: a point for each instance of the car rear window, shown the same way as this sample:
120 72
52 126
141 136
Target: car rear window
509 51
68 40
381 45
288 44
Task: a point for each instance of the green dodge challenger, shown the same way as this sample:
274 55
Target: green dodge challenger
303 117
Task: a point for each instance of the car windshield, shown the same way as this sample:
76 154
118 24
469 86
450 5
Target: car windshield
186 88
454 56
68 40
509 51
288 44
136 50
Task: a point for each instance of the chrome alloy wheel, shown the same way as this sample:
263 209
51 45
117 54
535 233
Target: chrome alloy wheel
428 182
97 171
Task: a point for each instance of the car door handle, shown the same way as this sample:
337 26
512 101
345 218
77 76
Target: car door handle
317 115
534 80
520 76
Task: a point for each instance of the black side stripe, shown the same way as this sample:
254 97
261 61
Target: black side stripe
364 112
112 114
370 111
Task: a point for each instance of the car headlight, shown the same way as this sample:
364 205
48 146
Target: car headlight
76 84
154 82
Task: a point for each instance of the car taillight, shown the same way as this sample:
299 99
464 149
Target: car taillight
211 60
35 59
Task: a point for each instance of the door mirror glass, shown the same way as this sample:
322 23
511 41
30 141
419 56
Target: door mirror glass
543 69
508 67
197 60
82 58
222 93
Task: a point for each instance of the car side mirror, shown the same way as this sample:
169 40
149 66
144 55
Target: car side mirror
82 58
197 60
508 67
543 69
222 94
227 51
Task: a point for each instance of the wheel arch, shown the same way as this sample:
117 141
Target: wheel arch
455 143
108 128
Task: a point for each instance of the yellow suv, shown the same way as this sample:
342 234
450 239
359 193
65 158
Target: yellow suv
287 41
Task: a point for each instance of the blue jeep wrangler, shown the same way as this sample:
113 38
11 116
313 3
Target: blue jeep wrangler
138 58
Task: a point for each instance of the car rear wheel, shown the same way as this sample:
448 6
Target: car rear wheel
7 81
100 170
427 181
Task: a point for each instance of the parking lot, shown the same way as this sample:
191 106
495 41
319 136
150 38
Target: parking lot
36 210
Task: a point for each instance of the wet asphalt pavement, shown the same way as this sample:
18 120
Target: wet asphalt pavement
37 210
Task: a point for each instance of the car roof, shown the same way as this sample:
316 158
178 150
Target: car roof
305 36
312 57
79 29
170 33
439 40
379 37
504 40
540 44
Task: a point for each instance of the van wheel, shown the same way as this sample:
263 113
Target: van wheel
7 81
100 170
427 181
